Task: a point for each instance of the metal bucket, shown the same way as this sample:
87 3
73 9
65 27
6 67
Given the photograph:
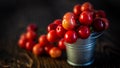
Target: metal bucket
81 53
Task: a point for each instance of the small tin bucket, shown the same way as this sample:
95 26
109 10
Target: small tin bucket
81 53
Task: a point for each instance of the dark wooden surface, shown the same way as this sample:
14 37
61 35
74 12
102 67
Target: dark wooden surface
16 15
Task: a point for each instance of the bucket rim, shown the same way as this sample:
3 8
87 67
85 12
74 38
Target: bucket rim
96 34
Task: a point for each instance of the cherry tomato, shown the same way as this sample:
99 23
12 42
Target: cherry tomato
38 50
60 30
100 13
43 40
70 36
55 52
52 36
51 26
98 25
84 32
31 35
32 27
29 45
61 44
87 6
22 41
86 18
57 21
69 21
77 9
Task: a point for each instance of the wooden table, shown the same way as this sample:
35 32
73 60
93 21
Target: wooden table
15 19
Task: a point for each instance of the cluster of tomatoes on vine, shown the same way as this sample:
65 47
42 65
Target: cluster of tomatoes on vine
80 23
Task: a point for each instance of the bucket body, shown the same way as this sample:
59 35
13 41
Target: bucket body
81 53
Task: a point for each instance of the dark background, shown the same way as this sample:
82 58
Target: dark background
15 15
15 12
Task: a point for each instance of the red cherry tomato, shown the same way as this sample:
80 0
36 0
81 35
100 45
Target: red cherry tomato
32 27
38 50
86 18
77 9
52 36
31 35
51 26
22 41
100 13
87 6
98 25
84 32
43 40
57 21
70 36
61 44
29 45
55 52
60 30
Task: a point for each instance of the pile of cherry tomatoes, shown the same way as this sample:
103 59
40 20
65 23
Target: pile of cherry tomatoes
80 23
